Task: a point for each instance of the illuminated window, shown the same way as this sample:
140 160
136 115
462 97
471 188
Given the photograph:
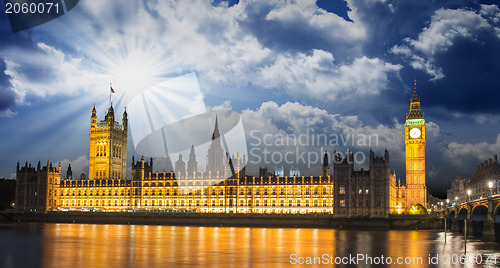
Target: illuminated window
342 189
342 202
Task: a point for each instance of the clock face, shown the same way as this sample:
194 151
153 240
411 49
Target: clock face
415 132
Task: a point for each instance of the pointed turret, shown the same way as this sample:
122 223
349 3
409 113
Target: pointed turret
93 118
216 129
192 165
125 119
110 116
69 172
415 112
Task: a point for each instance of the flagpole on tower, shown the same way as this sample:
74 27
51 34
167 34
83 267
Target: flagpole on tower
111 90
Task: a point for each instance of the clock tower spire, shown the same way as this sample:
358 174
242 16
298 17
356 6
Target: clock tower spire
415 138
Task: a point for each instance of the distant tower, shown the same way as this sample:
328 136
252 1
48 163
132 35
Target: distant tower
180 167
108 146
415 154
326 165
69 173
192 165
215 157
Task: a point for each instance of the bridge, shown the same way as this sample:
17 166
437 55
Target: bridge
481 217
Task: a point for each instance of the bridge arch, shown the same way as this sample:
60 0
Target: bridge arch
452 219
479 215
462 216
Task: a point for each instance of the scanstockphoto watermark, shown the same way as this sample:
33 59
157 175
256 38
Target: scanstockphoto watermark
305 148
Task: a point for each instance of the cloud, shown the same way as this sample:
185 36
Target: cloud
316 76
464 153
78 166
305 13
445 28
46 71
138 43
226 105
284 128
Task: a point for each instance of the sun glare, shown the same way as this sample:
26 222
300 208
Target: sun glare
136 72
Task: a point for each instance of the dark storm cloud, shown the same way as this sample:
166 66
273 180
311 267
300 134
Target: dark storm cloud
297 35
472 68
470 65
389 22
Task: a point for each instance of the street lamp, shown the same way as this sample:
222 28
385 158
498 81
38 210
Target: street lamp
490 185
447 202
468 193
456 200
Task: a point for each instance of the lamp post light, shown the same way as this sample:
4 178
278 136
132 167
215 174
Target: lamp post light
447 202
456 200
490 185
468 194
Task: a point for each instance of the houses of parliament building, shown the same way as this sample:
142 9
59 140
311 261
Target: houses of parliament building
224 187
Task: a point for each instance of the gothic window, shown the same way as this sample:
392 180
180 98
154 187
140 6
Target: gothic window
342 189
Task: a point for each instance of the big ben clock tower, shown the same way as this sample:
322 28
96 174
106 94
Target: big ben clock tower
416 192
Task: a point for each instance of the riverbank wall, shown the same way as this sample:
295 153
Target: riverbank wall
234 220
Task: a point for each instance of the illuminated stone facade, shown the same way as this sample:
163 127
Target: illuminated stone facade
108 147
340 190
415 138
107 189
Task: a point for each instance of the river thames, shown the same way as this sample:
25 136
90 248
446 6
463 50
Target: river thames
103 245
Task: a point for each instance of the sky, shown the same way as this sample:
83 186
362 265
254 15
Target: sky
344 69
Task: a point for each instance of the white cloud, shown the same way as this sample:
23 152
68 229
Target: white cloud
462 153
226 105
305 12
46 71
294 118
78 166
7 113
317 76
445 27
419 63
154 40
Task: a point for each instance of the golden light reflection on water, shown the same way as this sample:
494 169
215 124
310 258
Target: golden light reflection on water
86 245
